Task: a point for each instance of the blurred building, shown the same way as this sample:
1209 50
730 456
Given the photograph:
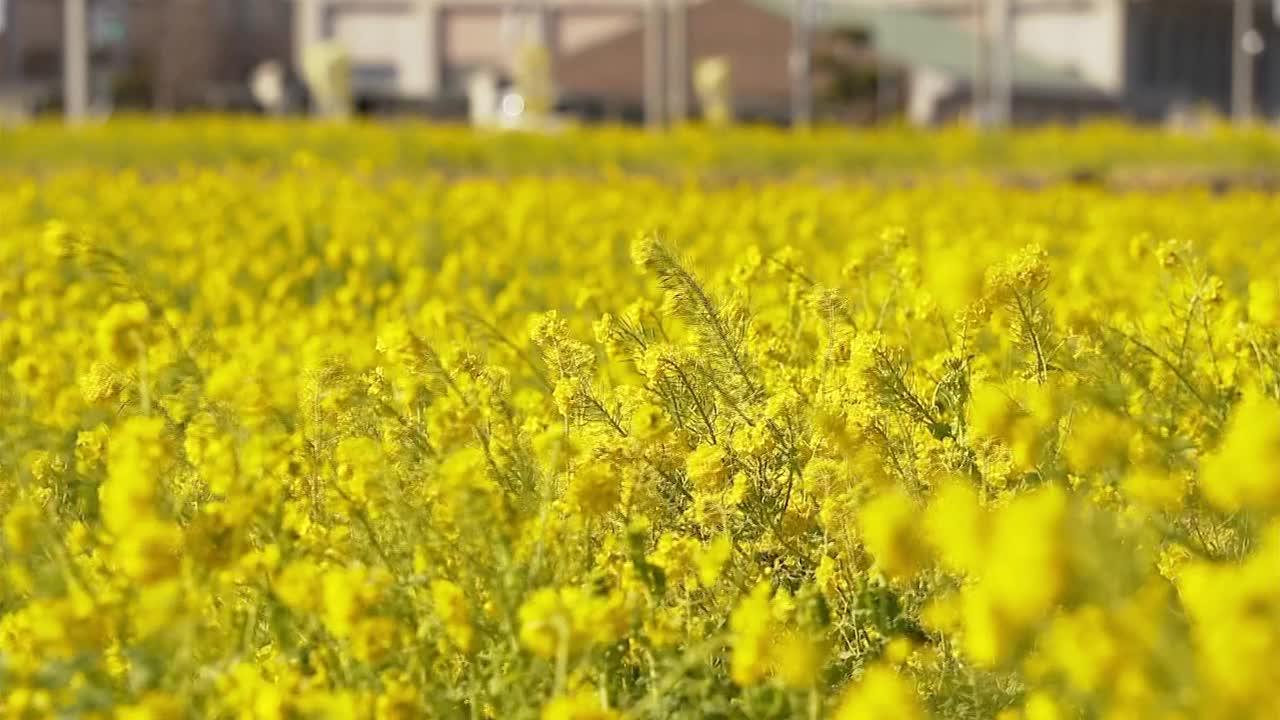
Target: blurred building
156 54
1148 59
423 52
606 78
869 59
923 59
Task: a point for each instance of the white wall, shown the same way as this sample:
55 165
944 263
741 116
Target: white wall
1084 35
401 34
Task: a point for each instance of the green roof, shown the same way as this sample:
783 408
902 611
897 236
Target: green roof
913 38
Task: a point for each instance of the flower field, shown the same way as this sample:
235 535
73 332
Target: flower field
306 434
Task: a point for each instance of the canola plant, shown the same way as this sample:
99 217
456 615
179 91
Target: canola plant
311 436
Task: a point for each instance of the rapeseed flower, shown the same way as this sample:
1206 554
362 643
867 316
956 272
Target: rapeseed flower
426 443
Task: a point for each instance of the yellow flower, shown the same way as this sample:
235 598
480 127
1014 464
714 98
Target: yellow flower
956 527
402 346
1098 440
347 594
1085 648
706 468
676 555
1040 706
1021 577
20 527
1234 611
1026 571
581 705
891 533
122 332
299 586
712 558
153 706
1158 490
1264 302
799 661
648 422
753 635
569 620
595 489
138 455
27 703
992 413
322 435
1245 470
91 448
451 606
31 374
103 383
149 551
880 693
359 462
398 701
373 639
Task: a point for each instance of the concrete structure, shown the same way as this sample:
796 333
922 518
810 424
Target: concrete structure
414 50
864 61
935 59
1148 59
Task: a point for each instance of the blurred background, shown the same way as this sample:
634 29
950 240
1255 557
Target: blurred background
654 62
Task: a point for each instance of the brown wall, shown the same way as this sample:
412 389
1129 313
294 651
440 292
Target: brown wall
41 24
757 44
179 52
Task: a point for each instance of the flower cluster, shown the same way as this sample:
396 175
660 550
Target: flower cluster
302 438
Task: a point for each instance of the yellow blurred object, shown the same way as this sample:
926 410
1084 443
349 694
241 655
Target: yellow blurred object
533 82
713 82
326 66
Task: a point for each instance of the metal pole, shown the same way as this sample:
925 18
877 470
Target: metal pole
1244 39
885 92
981 83
433 23
551 35
677 62
75 61
1001 68
801 63
654 72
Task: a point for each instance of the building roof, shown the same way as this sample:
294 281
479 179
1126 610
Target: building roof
913 38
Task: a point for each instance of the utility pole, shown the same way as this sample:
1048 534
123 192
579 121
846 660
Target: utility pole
801 63
677 61
886 93
654 68
981 90
1246 43
1001 85
75 61
431 19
